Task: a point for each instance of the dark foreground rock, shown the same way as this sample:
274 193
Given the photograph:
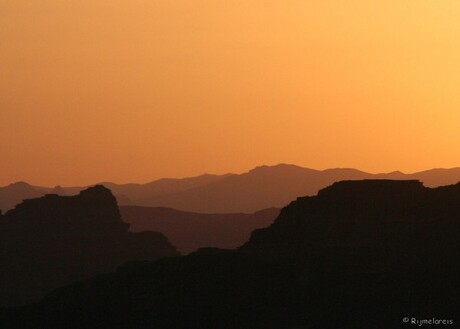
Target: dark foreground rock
361 254
52 241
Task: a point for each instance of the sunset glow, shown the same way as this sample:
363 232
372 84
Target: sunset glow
131 91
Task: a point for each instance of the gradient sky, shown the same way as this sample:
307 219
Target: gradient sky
131 91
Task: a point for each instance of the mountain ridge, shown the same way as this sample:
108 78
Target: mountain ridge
233 193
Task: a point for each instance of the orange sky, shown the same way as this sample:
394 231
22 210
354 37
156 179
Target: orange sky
131 91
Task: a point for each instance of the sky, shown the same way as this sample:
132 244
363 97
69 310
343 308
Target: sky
132 91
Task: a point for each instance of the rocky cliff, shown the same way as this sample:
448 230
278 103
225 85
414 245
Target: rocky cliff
52 241
376 214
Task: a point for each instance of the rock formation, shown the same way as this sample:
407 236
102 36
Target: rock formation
52 241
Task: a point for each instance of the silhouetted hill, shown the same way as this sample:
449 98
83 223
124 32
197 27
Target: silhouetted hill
363 254
261 188
190 231
275 186
52 241
13 194
162 186
437 177
126 194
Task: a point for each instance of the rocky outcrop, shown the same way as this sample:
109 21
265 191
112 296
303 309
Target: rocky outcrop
360 254
401 217
52 241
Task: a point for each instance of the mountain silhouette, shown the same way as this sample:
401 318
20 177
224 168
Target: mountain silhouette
52 241
162 186
275 186
126 194
190 231
261 188
13 194
359 254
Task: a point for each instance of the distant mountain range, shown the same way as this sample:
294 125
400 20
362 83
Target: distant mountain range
190 231
261 188
126 194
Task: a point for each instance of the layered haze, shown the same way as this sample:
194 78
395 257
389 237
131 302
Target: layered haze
260 188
